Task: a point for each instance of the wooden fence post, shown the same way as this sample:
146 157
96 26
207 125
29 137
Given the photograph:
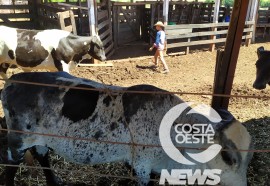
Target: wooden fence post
115 14
215 20
92 16
224 77
252 11
165 11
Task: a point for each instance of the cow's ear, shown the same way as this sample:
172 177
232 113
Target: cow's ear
259 51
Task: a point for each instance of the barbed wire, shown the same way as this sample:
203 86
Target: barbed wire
107 89
126 143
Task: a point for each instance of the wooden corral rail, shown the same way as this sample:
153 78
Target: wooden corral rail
105 31
174 33
63 16
48 14
263 20
19 15
182 12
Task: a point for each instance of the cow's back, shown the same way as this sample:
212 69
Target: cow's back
125 118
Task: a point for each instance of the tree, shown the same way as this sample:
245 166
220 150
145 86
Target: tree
228 3
264 3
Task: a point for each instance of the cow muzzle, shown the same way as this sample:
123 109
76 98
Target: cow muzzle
103 58
259 86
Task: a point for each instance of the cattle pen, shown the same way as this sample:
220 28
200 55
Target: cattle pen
209 33
119 24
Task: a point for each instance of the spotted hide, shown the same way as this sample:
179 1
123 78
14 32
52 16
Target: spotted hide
108 116
53 50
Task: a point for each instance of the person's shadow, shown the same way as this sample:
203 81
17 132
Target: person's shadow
150 67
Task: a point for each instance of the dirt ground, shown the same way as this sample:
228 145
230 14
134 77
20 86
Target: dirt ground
188 73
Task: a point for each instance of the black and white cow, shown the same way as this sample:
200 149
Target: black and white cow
262 69
107 116
53 50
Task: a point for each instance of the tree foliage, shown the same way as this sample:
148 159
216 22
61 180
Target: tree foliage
264 3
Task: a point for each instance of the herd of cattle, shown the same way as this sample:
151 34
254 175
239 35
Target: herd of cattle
106 116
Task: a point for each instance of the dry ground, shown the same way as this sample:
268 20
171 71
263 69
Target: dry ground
189 73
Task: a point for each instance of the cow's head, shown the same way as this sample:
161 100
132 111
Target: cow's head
262 69
96 48
233 157
233 160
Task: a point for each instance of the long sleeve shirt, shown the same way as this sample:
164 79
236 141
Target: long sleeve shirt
160 39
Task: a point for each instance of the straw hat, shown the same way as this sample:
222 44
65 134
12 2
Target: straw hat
159 23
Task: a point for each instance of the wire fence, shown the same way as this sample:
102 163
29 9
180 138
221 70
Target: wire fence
108 89
111 91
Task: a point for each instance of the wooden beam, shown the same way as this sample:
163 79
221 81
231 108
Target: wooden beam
256 15
216 11
92 16
109 64
224 78
215 20
153 11
251 14
165 11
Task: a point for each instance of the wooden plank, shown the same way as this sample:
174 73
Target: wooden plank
263 25
108 49
102 14
73 23
20 24
49 8
17 15
73 6
213 37
198 34
96 65
18 7
104 34
47 19
115 25
110 54
218 80
61 20
109 9
165 11
215 20
178 31
255 25
128 4
201 42
153 11
92 16
208 25
108 39
216 11
104 23
67 15
232 47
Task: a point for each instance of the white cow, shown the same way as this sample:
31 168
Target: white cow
117 117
